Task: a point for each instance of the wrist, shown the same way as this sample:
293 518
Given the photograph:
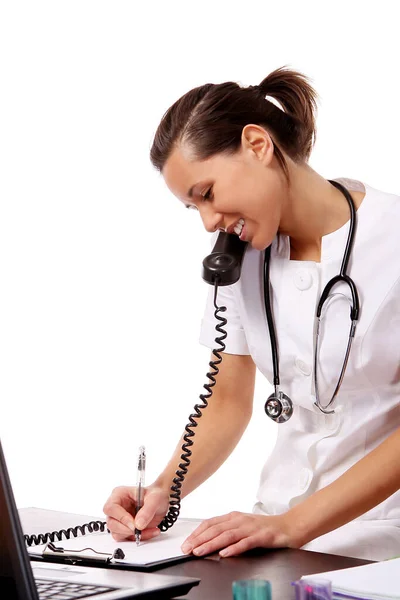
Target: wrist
161 483
300 526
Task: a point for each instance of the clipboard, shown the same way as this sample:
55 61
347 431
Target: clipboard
89 557
100 549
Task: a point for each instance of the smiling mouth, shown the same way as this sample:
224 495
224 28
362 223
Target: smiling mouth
239 227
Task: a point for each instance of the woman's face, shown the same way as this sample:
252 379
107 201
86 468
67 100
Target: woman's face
242 193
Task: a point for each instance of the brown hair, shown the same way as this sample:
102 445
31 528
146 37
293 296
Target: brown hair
211 118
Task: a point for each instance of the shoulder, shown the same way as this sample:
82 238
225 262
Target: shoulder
376 200
378 217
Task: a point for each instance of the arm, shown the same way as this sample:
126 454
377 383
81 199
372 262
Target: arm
218 431
366 484
221 425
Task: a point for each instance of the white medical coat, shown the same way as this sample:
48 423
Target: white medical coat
314 449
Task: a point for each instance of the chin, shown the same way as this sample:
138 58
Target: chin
260 245
256 246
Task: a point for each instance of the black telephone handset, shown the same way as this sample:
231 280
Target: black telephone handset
225 260
221 267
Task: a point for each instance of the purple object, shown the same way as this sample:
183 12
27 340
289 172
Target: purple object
313 589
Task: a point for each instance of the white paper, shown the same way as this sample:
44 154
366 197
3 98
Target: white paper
165 546
376 581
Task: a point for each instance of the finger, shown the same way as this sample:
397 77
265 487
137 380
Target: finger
119 529
205 531
225 539
239 547
251 538
125 496
115 512
211 533
152 502
147 534
120 532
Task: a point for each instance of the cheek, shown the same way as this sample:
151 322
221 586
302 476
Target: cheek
262 194
240 189
266 225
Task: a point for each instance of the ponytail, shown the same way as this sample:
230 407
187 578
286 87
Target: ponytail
297 98
211 118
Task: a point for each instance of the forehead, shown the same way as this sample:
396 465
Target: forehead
181 171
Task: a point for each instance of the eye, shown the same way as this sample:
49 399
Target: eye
191 207
208 194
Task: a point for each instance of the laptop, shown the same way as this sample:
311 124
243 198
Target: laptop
21 580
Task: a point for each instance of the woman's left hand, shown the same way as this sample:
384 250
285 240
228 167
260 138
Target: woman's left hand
238 532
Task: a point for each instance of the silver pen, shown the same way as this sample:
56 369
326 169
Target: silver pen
141 472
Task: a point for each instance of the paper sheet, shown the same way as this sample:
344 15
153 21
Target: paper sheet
165 546
377 581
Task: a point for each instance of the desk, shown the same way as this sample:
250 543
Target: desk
280 567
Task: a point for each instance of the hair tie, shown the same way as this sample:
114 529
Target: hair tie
258 90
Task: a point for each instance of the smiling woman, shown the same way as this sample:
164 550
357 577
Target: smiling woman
240 157
198 141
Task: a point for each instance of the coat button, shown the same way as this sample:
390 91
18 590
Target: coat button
303 279
303 367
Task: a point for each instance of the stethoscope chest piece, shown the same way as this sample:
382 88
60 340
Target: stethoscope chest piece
279 407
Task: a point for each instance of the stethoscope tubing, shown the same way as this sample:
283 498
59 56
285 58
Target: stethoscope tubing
342 277
270 318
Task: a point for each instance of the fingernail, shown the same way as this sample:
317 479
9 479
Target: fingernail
224 553
140 524
132 526
186 548
198 551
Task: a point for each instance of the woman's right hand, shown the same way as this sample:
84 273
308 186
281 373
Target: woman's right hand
120 509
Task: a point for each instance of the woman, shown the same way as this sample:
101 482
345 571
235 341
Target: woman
239 156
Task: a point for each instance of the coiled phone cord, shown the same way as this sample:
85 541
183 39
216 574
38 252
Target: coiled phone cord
44 538
175 495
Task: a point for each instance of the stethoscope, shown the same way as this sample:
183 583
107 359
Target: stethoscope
279 406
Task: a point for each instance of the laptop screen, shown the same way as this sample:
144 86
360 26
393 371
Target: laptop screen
15 569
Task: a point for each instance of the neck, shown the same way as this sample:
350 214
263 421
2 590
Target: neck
313 208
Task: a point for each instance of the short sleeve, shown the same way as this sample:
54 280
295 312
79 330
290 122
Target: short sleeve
235 342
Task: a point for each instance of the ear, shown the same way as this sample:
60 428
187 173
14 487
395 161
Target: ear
257 141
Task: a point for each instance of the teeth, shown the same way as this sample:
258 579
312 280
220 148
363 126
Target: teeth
238 227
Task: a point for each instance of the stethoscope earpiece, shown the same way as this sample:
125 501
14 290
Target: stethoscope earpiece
279 407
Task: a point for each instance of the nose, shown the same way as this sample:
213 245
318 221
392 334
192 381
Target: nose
212 220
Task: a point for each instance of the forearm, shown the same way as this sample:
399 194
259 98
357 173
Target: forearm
216 435
365 485
219 428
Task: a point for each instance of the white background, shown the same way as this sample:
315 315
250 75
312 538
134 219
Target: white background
101 295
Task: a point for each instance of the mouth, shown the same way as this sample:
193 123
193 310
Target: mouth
237 227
